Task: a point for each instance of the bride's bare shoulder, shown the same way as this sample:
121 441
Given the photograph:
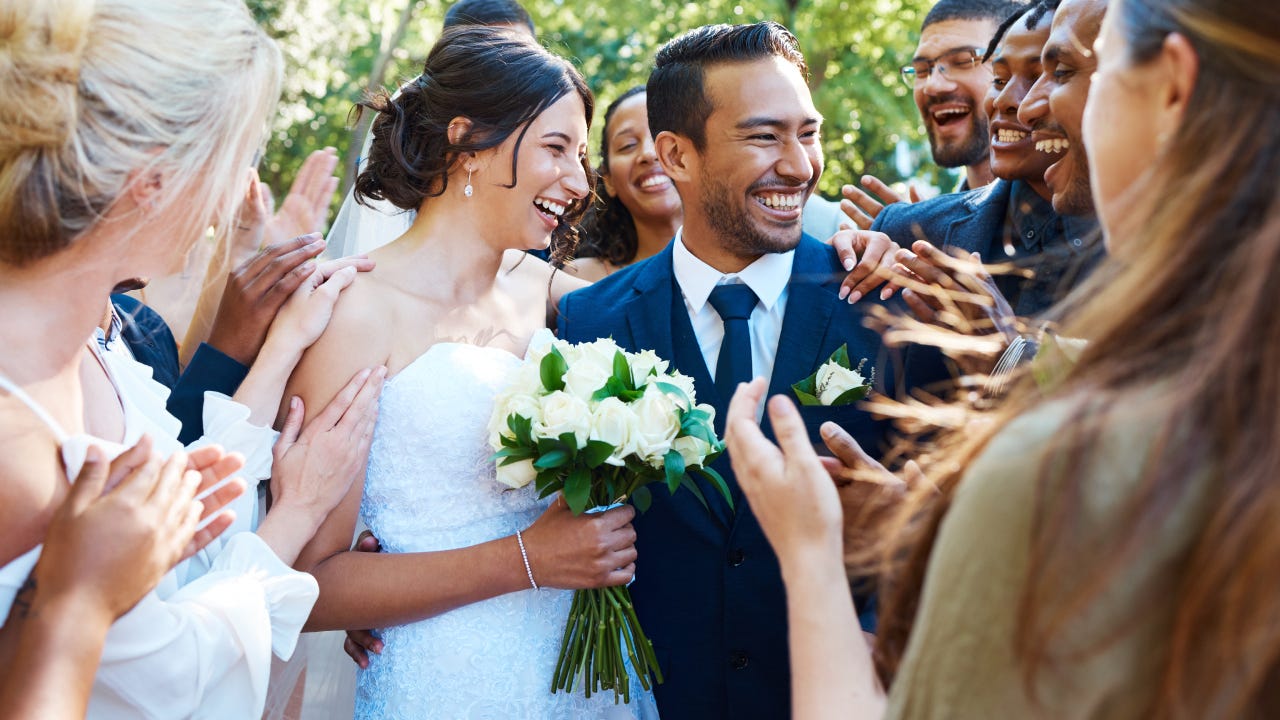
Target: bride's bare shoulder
358 336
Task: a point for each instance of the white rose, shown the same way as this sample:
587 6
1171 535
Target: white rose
584 377
693 450
833 380
526 380
684 382
507 404
564 413
614 422
642 363
656 424
517 474
710 410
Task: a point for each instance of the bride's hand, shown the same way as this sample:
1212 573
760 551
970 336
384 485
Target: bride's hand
587 551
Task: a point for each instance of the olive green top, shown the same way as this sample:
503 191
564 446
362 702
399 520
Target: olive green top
960 660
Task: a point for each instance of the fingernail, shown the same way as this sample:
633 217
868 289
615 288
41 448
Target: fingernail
828 429
855 296
886 293
844 292
906 293
294 402
848 263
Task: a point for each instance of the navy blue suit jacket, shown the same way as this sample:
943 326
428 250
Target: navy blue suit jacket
152 344
708 589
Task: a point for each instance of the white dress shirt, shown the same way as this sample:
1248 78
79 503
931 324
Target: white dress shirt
767 277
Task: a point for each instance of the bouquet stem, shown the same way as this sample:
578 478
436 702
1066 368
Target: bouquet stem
601 621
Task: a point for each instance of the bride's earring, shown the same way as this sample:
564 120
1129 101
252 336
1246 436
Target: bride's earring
467 189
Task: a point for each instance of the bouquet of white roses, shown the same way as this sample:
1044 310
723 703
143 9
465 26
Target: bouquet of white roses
599 425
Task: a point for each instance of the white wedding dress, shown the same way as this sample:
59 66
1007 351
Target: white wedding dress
431 486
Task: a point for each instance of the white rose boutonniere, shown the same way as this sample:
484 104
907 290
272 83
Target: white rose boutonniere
836 382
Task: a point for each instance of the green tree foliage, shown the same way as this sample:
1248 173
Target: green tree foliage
853 47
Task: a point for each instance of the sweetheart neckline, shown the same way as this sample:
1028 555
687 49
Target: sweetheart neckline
428 351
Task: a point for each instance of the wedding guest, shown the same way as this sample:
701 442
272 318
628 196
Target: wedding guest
1012 222
84 78
1103 546
948 79
638 211
738 291
122 526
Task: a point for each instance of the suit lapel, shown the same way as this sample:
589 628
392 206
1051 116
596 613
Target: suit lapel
648 311
810 303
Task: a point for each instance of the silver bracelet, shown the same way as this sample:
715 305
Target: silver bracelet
525 556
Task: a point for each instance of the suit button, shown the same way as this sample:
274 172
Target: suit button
737 557
738 660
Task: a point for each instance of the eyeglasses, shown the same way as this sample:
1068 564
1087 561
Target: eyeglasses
950 64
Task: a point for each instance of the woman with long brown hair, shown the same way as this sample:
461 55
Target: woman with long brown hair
1104 546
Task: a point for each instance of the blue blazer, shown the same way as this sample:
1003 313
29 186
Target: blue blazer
708 589
972 221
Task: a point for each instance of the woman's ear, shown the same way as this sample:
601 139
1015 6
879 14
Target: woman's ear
459 129
1180 68
608 184
146 189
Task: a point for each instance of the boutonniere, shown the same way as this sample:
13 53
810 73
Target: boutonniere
836 382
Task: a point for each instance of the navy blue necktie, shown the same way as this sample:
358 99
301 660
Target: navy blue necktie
734 303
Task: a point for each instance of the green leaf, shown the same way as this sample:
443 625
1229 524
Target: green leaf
577 489
686 403
717 482
522 428
852 395
622 371
673 466
596 452
841 356
552 370
804 392
689 484
553 459
570 442
642 499
511 455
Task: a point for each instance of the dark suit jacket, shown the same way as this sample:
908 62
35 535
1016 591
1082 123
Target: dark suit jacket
152 344
708 589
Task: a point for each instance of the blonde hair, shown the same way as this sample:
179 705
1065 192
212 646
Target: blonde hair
97 93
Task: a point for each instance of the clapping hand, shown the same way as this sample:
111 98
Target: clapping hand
126 523
862 206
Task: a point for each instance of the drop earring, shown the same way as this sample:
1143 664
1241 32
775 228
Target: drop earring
467 189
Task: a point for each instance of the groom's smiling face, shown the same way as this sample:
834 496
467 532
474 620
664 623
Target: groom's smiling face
762 156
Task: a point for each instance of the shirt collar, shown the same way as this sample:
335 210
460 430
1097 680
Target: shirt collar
767 276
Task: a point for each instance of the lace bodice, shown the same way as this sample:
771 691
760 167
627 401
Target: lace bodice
431 486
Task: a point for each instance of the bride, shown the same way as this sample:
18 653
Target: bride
488 148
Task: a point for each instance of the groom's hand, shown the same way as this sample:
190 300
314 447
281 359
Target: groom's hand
360 643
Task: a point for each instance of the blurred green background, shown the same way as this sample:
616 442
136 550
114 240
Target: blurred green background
335 49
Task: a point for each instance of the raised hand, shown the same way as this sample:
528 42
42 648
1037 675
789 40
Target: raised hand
307 205
862 206
585 551
945 283
788 487
869 257
869 494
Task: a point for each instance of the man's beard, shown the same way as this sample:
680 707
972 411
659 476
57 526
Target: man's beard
737 233
971 152
1077 198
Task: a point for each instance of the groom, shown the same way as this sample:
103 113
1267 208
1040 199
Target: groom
738 292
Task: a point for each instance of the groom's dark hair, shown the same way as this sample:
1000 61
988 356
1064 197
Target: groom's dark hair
677 99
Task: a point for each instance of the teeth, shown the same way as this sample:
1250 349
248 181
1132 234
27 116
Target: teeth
1055 146
550 206
1010 136
951 111
779 201
654 181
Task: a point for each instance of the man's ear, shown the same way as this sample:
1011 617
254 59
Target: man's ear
678 156
1180 68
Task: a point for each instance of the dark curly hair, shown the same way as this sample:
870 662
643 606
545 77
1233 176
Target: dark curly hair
500 81
609 230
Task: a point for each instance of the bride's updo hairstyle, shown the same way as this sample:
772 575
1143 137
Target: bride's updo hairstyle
500 81
99 92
